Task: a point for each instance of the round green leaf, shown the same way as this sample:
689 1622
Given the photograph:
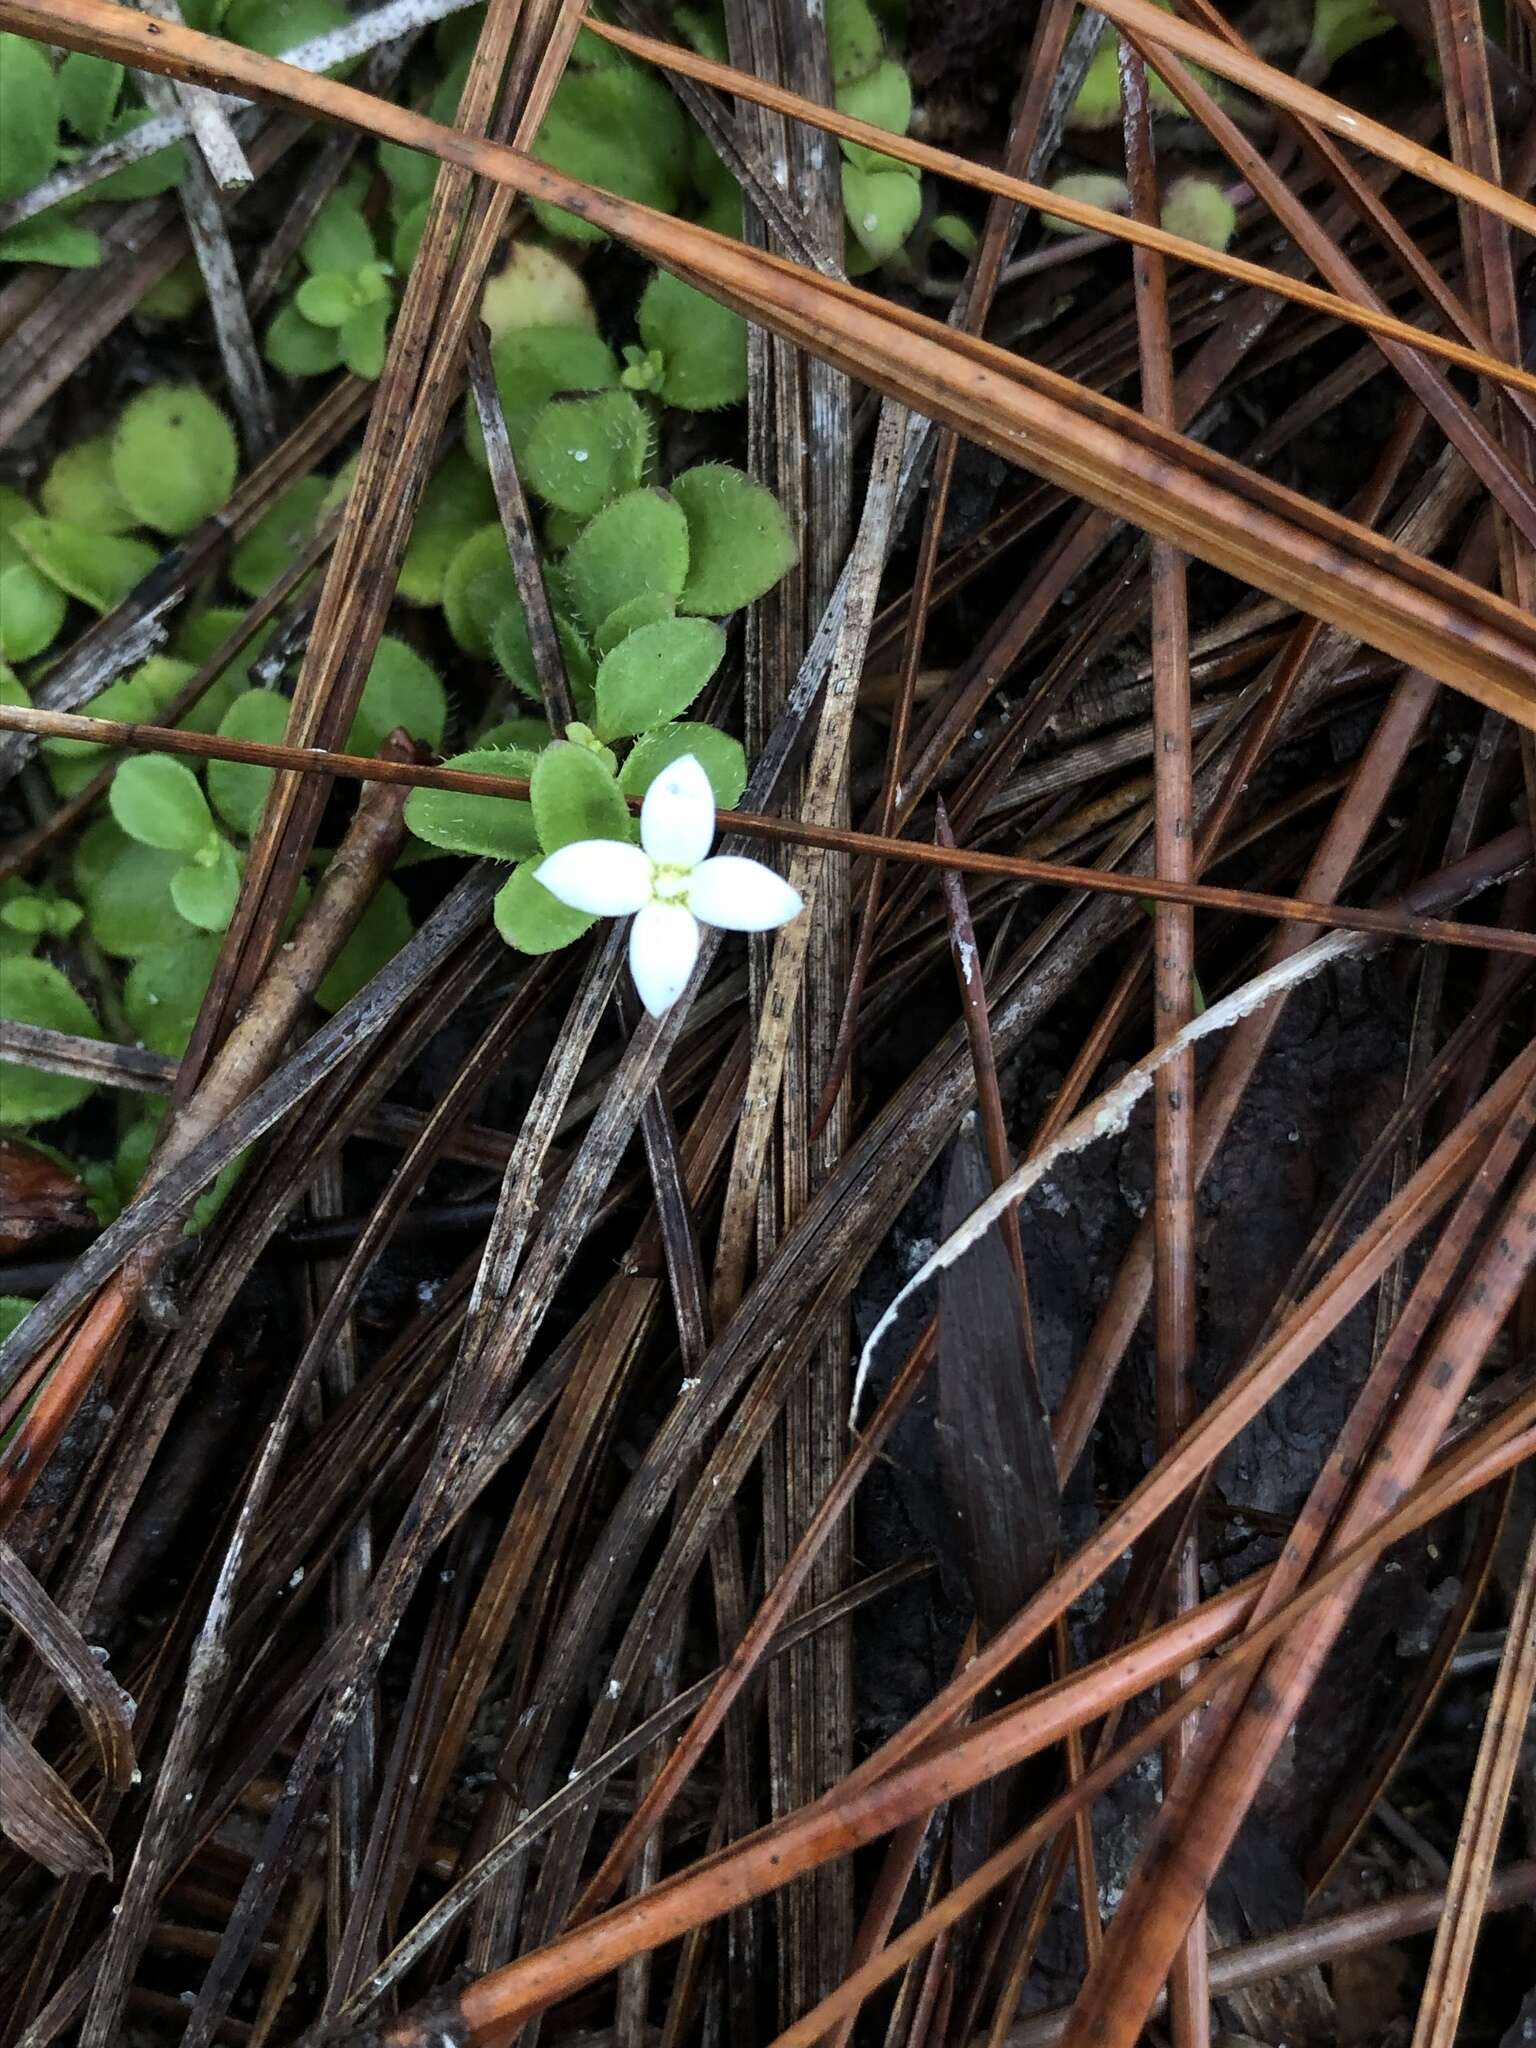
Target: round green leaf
654 674
159 802
478 586
501 828
635 547
456 503
205 895
531 734
533 365
151 175
364 335
513 650
340 239
298 347
238 789
739 541
648 609
33 992
164 991
88 93
126 698
274 26
129 908
179 293
532 920
854 41
720 756
574 797
32 607
882 207
80 489
98 568
617 127
583 451
162 676
328 300
196 640
277 537
29 116
409 229
378 936
51 237
702 344
883 97
400 691
174 457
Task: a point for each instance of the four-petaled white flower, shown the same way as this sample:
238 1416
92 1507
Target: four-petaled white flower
669 884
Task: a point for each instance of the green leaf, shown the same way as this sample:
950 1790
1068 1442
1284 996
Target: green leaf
702 345
1199 211
532 920
126 698
883 97
530 734
164 991
854 41
88 93
583 451
882 207
14 1310
32 607
720 756
364 338
51 238
273 26
574 797
205 895
1339 26
162 676
327 300
238 789
378 936
513 650
956 233
174 457
179 293
33 992
648 609
29 116
159 802
197 638
277 537
618 127
501 828
409 229
738 538
533 365
100 569
1092 188
456 503
298 347
635 547
340 239
401 690
80 490
655 674
477 588
149 177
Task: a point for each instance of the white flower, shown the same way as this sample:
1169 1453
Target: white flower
669 884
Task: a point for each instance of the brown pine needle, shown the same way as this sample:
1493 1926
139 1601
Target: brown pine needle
1504 857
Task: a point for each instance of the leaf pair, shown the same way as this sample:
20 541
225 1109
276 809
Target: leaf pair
340 313
159 802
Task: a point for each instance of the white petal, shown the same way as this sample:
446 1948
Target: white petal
663 945
602 876
741 895
677 819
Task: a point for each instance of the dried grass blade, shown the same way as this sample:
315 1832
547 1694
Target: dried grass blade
103 1708
1117 227
40 1814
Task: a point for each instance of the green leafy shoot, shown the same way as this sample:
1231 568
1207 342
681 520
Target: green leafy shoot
694 351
